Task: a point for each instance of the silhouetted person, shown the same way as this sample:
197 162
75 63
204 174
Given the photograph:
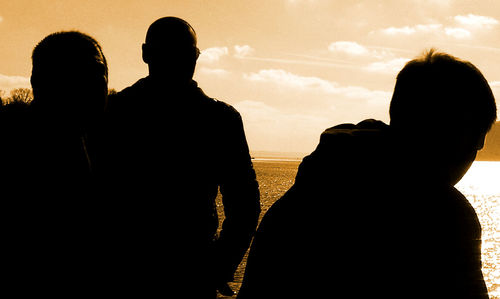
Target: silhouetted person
48 204
171 147
373 211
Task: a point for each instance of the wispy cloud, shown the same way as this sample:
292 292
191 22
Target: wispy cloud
311 60
482 48
214 54
434 3
386 60
348 47
213 71
269 126
458 33
355 49
10 82
243 51
455 32
476 21
458 27
285 78
408 30
494 83
392 66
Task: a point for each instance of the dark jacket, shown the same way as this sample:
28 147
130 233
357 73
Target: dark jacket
359 222
48 206
168 152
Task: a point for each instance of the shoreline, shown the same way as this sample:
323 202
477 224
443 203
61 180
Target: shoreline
277 159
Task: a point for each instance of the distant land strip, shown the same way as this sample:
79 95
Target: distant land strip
490 152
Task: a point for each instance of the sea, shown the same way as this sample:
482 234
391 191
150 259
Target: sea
481 186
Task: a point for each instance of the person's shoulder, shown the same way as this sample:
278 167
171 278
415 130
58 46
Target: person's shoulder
367 131
345 152
226 108
368 126
459 201
128 95
221 108
134 90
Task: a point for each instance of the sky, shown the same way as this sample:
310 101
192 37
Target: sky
292 68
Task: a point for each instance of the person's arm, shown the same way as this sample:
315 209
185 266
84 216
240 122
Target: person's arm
475 277
240 197
470 276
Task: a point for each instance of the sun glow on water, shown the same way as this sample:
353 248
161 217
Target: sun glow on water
483 177
481 186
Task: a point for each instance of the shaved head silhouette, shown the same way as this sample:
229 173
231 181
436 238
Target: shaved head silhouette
172 28
170 50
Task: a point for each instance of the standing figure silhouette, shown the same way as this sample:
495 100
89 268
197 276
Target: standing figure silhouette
170 149
373 211
47 174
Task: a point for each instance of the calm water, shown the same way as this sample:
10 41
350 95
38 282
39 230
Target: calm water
481 185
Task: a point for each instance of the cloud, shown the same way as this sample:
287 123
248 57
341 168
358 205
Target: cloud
8 83
284 78
243 51
408 30
214 54
494 84
399 30
434 3
1 19
387 61
476 21
288 111
470 21
270 128
213 71
348 47
456 32
392 66
354 49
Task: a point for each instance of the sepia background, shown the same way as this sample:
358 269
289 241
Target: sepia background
291 67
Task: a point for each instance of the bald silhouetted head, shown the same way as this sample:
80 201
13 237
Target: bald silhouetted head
170 50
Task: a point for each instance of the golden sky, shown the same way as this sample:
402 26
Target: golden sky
291 67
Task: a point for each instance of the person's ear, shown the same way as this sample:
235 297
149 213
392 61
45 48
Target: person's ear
480 141
198 52
146 55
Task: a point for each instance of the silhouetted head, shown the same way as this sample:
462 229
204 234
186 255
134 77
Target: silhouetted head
69 77
170 50
442 107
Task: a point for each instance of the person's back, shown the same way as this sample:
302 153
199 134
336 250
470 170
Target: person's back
373 211
171 148
50 221
317 240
